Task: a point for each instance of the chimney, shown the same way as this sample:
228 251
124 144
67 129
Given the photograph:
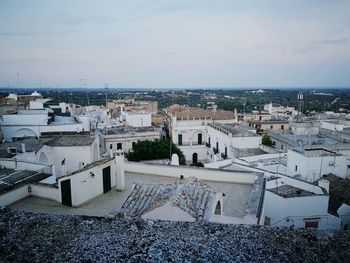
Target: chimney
119 170
324 184
23 148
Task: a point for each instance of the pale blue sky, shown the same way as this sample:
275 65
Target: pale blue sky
167 44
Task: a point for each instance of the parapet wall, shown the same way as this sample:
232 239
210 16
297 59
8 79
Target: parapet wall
201 173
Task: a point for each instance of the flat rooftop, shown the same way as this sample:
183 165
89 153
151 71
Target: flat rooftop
61 120
126 130
236 130
305 139
288 191
235 201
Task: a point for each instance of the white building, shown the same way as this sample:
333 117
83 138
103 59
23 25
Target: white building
227 140
124 137
188 128
74 189
280 111
137 119
290 202
69 153
311 163
32 123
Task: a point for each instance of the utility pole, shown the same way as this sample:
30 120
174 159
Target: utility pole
106 88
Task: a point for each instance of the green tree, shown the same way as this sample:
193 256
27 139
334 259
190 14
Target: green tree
153 150
266 140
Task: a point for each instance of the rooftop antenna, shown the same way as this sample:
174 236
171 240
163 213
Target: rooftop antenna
300 98
87 94
17 79
106 88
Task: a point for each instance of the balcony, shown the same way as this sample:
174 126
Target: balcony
207 144
215 150
223 156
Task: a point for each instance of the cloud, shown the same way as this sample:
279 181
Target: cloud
338 41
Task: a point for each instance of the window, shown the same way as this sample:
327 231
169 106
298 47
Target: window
271 127
199 138
119 146
282 147
282 127
133 144
296 168
111 146
217 146
179 139
311 224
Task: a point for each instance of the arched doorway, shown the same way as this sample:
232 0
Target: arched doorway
218 208
194 158
24 132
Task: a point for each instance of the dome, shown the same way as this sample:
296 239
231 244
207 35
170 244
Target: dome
36 94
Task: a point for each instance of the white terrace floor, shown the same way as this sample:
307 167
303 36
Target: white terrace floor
235 200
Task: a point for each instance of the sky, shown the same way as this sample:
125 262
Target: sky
175 44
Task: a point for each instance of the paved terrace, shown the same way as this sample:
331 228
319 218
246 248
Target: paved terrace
235 200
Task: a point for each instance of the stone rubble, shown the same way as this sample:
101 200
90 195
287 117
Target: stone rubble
29 237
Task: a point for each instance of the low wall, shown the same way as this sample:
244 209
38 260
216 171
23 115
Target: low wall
200 173
23 165
45 191
268 149
218 164
14 195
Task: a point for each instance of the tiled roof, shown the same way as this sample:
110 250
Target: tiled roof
186 112
191 195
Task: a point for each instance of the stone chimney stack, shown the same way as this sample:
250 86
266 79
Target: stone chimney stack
119 170
23 148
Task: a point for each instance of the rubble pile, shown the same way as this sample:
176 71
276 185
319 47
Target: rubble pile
29 237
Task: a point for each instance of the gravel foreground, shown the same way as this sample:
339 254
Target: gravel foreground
29 237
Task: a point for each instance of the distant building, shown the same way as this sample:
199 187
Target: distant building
188 128
262 127
309 164
32 123
124 137
295 203
227 140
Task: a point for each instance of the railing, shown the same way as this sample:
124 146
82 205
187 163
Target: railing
223 156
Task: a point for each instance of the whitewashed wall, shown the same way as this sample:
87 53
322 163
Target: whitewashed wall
139 119
200 173
13 196
278 209
309 167
47 192
85 187
73 156
188 152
